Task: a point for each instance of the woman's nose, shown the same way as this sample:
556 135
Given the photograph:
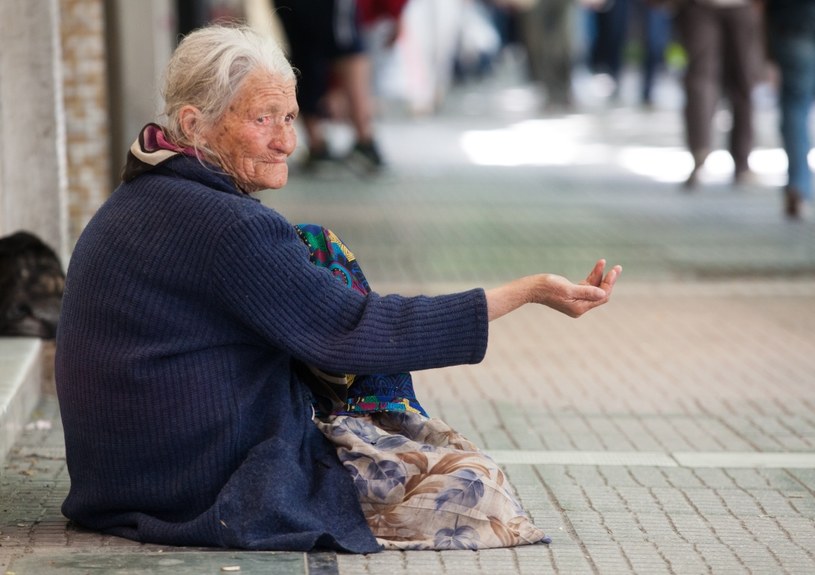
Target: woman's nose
286 140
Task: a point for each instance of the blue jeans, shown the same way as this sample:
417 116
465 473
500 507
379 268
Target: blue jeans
656 23
794 52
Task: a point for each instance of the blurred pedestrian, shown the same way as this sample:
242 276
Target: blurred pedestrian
427 52
382 28
652 22
547 34
382 12
791 37
655 20
479 41
720 38
326 44
610 34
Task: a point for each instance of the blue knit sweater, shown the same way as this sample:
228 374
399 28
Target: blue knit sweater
186 304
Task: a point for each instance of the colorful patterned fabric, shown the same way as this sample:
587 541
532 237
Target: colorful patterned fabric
327 250
366 393
422 485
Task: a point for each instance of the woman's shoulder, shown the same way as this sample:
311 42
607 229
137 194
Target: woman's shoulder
186 172
191 193
188 180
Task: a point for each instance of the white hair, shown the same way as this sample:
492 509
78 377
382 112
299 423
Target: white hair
207 69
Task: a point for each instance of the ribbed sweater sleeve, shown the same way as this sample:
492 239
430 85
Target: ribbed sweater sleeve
262 273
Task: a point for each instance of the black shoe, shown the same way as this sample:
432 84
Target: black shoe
792 203
365 156
318 159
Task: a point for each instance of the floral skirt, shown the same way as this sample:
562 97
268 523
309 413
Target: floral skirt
422 485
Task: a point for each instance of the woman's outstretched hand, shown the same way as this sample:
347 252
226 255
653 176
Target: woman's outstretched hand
555 292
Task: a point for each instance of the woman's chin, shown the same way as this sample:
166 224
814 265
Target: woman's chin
279 177
273 181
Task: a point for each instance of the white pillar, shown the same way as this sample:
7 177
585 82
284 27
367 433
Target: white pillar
144 34
33 181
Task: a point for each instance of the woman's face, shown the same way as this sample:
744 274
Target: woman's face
256 134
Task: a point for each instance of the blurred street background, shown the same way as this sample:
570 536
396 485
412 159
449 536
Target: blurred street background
671 431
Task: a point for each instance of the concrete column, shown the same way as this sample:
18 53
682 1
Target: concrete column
142 38
33 181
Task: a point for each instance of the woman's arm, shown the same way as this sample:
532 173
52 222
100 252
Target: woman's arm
555 292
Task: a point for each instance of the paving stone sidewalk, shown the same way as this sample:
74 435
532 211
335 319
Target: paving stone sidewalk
591 418
671 431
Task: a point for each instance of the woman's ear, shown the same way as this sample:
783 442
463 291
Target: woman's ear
189 116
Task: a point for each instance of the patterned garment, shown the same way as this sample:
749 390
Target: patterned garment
327 250
366 393
422 485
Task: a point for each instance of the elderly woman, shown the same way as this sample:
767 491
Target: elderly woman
200 330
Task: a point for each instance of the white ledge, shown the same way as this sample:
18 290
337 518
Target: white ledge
20 385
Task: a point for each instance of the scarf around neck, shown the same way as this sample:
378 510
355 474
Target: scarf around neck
149 150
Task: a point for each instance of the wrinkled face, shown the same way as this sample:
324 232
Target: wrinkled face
256 134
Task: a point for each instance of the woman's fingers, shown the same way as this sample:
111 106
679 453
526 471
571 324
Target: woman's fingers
596 274
611 278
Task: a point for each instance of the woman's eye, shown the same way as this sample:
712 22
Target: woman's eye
264 120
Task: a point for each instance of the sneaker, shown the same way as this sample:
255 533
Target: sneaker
318 160
366 157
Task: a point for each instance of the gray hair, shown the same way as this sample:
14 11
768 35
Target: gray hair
207 69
